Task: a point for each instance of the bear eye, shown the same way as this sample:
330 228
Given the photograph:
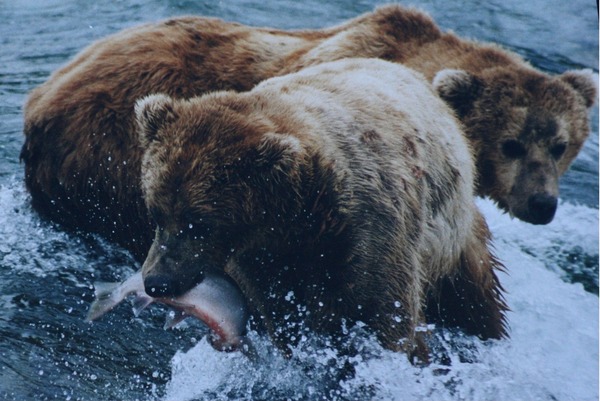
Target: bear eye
557 150
514 149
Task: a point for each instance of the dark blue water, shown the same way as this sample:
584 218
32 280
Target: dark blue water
47 351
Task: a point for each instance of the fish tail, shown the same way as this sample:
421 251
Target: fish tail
106 299
140 302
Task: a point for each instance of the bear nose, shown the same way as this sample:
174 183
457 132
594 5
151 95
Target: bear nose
542 208
161 286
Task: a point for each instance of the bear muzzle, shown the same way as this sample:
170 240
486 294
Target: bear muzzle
169 278
538 208
541 208
163 285
172 266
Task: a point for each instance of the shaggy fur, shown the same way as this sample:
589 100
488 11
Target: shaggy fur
338 194
82 159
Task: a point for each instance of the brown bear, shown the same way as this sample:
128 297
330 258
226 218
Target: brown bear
82 161
338 194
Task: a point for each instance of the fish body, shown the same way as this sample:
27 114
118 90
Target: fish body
217 301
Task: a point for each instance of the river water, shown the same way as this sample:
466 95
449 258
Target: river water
48 351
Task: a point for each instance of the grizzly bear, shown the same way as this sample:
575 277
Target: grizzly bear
82 159
338 194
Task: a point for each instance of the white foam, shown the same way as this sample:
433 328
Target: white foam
33 246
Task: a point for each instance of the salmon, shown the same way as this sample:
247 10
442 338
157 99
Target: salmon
217 301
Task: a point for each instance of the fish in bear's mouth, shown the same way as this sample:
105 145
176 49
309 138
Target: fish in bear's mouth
217 301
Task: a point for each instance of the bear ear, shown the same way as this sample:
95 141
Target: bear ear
458 88
585 82
278 151
153 113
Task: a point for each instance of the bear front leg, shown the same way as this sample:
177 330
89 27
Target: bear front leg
471 298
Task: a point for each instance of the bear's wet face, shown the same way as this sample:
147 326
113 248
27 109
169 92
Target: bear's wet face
525 128
203 173
183 197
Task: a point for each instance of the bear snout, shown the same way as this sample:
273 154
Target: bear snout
542 208
162 282
162 285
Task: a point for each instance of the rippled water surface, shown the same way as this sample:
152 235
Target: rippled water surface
47 351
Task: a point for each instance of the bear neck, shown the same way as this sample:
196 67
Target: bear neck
450 52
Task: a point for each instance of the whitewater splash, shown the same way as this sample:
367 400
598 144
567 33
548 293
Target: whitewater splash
552 353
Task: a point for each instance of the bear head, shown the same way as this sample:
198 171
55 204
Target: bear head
525 128
205 171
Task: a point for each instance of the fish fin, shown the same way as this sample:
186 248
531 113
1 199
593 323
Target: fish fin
105 300
174 318
140 302
103 289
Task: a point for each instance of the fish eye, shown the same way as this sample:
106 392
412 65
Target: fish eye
514 149
557 150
